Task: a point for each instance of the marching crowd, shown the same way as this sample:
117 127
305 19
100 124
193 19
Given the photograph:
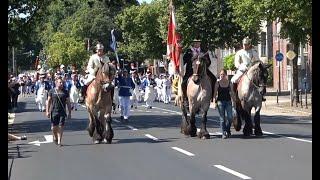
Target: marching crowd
129 88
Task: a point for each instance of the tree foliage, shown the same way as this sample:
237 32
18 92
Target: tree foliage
228 62
142 30
210 21
65 49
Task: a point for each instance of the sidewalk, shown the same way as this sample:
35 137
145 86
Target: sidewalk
284 102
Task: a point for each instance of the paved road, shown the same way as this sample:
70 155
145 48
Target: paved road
151 147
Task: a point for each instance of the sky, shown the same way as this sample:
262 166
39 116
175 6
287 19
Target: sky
147 1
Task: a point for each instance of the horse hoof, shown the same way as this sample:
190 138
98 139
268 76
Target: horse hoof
258 133
109 141
96 142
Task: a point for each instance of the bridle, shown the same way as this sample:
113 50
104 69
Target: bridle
100 81
197 68
257 86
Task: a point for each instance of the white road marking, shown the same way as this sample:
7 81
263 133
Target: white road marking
293 138
134 129
152 137
183 151
242 176
211 134
49 138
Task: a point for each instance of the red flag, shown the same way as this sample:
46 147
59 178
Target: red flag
173 39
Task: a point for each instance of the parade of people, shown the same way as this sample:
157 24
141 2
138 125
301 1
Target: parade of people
160 89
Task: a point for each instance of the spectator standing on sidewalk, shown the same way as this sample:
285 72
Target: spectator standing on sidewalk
225 100
58 98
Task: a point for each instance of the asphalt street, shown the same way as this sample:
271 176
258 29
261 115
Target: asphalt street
151 147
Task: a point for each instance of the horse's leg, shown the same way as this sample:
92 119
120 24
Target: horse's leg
192 129
247 129
184 120
204 134
91 126
99 126
257 127
109 130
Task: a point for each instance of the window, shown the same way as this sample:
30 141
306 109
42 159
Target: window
263 44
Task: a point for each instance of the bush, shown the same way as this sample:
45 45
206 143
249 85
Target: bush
228 62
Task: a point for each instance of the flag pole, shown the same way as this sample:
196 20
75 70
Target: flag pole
114 45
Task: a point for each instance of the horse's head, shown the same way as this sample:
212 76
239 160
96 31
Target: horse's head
106 73
259 75
199 67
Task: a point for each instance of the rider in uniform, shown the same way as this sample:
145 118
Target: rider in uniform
191 55
96 61
243 60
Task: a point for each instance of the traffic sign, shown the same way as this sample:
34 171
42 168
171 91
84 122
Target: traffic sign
279 56
291 55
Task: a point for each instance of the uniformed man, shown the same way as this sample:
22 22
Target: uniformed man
191 55
243 60
95 62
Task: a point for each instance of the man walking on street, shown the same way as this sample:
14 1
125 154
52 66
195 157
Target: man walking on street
125 85
58 98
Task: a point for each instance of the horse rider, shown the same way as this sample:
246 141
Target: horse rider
243 60
191 55
96 61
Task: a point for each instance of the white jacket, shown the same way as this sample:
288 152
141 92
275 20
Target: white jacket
94 63
244 58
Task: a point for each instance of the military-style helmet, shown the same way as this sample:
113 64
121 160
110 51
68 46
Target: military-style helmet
99 46
246 40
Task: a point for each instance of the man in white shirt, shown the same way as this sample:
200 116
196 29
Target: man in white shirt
96 61
243 60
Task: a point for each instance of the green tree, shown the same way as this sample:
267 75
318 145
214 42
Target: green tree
66 50
211 21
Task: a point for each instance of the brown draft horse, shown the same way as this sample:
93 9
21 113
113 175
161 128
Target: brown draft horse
99 104
199 92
